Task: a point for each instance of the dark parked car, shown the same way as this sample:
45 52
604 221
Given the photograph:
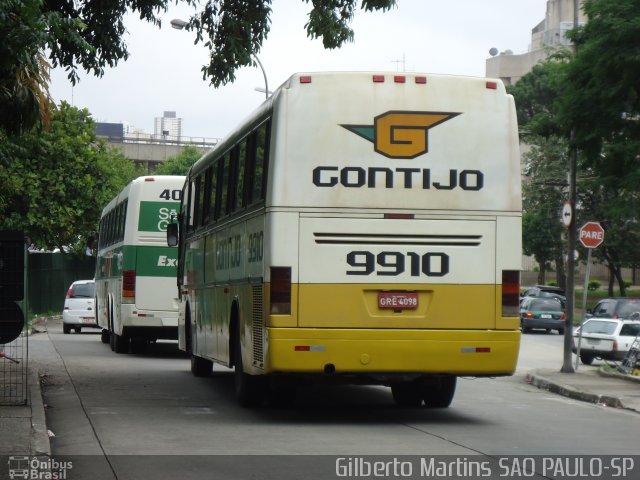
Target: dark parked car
544 291
543 313
617 307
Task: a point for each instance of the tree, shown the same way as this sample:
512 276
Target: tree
179 164
543 191
600 99
24 71
536 96
89 34
55 183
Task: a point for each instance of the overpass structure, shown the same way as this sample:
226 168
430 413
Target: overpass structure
150 150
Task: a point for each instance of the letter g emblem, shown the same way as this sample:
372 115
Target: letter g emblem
405 134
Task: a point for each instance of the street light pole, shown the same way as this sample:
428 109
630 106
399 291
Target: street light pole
264 74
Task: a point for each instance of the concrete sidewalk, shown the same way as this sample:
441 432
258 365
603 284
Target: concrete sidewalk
23 429
589 385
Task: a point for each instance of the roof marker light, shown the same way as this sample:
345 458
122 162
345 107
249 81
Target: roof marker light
399 79
378 79
421 80
401 216
149 179
492 85
305 79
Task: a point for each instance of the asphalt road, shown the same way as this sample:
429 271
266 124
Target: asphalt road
109 407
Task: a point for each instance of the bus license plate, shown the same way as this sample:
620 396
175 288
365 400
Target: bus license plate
398 300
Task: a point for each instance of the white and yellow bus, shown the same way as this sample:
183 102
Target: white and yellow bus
358 227
136 293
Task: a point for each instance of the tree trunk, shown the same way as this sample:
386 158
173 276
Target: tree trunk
618 274
611 278
542 273
561 276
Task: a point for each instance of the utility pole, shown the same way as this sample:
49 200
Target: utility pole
567 366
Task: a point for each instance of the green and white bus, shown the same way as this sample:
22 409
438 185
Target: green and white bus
136 295
358 227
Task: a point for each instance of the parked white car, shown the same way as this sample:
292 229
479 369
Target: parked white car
79 309
605 338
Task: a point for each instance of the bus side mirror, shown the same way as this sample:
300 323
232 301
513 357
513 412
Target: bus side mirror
172 234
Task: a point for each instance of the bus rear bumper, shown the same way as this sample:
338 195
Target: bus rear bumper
452 352
134 317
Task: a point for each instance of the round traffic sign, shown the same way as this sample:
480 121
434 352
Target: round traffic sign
591 234
567 214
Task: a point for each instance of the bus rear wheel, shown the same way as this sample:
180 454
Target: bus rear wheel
249 388
407 394
121 343
201 367
105 336
438 392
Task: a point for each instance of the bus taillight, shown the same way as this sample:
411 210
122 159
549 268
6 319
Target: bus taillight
510 293
128 283
280 297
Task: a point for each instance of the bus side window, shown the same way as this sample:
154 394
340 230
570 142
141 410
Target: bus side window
206 197
224 186
123 219
233 179
213 191
261 162
197 202
190 204
241 175
250 155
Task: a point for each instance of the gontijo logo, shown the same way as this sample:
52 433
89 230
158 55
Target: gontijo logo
401 134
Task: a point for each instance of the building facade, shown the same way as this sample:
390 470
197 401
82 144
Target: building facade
168 126
546 36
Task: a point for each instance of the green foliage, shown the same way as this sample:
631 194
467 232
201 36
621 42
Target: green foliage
58 181
537 96
89 34
179 164
601 95
24 72
591 100
593 285
542 196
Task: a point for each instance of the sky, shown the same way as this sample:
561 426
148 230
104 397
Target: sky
163 72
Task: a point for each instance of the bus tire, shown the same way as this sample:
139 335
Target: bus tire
283 391
407 394
201 367
121 343
138 345
439 392
249 388
112 335
105 336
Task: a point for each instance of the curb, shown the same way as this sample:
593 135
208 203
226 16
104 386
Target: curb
39 441
546 384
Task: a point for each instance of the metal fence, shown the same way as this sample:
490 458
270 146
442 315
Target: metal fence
13 339
14 365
